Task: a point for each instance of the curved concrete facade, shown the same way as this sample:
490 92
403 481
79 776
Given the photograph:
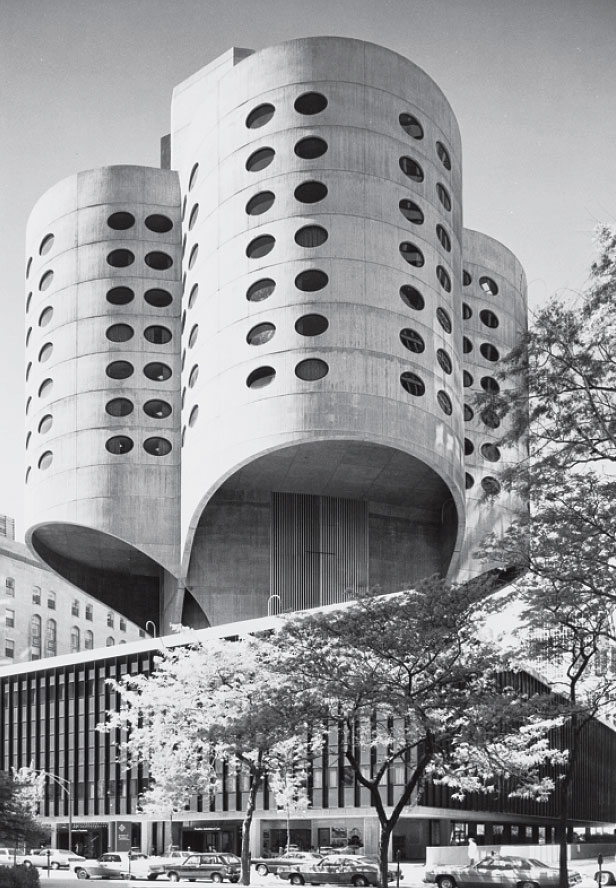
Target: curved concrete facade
103 510
321 411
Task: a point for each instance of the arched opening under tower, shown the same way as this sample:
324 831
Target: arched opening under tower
117 574
318 523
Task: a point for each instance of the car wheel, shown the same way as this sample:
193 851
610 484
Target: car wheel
605 877
173 877
55 865
262 869
359 881
27 863
216 877
82 874
296 879
446 882
528 885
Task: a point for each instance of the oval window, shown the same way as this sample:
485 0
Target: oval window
489 384
158 298
467 345
46 316
158 223
120 370
260 115
194 375
412 297
194 415
311 236
194 213
411 125
469 447
45 424
157 409
119 407
46 280
193 256
45 388
443 155
411 254
45 353
411 169
444 402
46 244
120 295
260 159
488 318
28 301
467 379
467 278
157 446
412 340
120 258
311 281
194 292
310 192
260 246
411 212
490 452
194 333
469 481
119 333
490 485
310 103
444 239
444 360
311 369
193 177
157 335
468 413
46 460
467 311
489 351
119 444
260 203
311 325
490 418
310 148
260 377
443 196
488 286
121 221
157 371
443 278
260 290
158 260
260 334
443 318
412 383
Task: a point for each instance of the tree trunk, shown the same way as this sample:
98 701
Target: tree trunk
246 823
384 839
561 831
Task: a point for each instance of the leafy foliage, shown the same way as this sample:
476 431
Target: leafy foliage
18 823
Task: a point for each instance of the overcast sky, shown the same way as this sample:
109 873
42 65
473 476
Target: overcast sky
87 83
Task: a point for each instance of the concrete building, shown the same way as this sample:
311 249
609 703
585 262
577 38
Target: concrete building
251 380
44 616
295 314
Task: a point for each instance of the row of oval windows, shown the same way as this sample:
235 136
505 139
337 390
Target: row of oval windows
119 444
313 103
120 258
155 371
155 334
488 451
489 484
155 297
155 408
119 221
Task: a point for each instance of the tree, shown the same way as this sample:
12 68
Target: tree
19 798
565 369
409 685
288 779
205 713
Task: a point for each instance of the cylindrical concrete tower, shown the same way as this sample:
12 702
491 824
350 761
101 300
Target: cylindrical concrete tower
103 372
322 386
494 318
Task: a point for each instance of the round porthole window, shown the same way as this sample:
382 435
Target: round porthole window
46 244
411 125
157 446
157 409
157 334
119 444
443 278
412 384
311 325
444 402
260 203
46 316
443 155
443 318
260 377
310 148
119 407
120 370
46 281
490 452
260 334
411 254
260 246
489 351
45 353
120 333
45 460
411 212
443 196
444 360
412 340
312 280
488 286
159 261
45 424
311 369
489 384
488 318
121 221
412 297
310 103
158 298
120 295
158 223
194 415
157 371
120 258
411 169
260 115
310 192
311 236
260 290
260 159
490 485
193 177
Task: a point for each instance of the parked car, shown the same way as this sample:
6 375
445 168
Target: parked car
55 858
506 870
265 865
10 857
119 865
335 869
211 866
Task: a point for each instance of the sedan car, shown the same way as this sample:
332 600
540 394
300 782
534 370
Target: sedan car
265 865
55 858
211 866
119 865
335 869
508 871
